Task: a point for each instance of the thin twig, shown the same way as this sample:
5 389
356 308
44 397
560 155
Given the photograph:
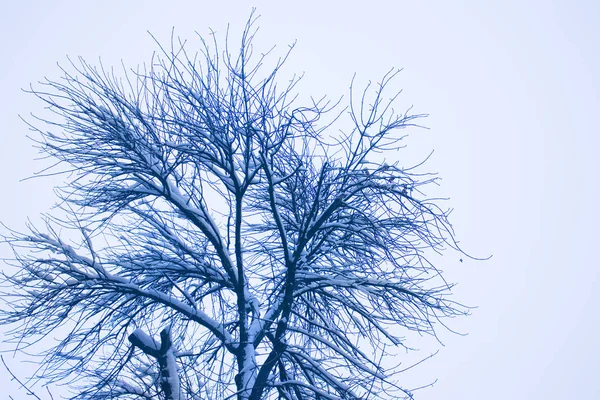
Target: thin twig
14 377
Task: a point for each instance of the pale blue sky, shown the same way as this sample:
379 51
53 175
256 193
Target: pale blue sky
512 92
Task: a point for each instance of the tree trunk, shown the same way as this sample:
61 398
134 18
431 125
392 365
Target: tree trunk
165 356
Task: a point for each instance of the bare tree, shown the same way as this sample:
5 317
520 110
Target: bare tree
219 240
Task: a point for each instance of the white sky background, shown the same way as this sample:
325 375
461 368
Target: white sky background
512 92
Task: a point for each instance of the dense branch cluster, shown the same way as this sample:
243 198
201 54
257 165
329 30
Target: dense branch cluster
220 241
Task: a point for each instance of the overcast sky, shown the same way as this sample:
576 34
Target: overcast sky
512 90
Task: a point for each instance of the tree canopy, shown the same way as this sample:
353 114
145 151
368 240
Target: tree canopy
216 239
